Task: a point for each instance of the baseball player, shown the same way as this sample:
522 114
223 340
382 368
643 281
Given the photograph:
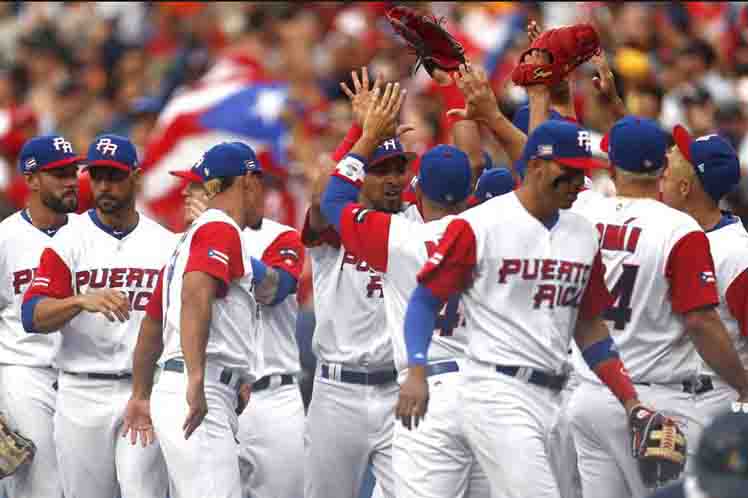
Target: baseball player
525 297
204 322
271 428
700 172
93 284
661 275
355 388
27 372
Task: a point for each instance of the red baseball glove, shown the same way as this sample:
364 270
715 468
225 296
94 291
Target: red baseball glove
566 48
435 47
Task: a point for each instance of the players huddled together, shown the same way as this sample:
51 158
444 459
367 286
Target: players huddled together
479 333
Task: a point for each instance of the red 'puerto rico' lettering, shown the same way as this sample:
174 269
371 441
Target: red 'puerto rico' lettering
544 269
22 278
619 237
116 278
374 287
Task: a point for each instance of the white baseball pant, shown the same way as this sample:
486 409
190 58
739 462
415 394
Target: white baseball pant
562 451
206 464
94 459
434 459
28 399
507 422
603 438
271 443
348 426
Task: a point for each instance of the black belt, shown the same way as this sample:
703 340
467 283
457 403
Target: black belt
175 365
264 382
556 382
441 368
702 384
102 376
365 378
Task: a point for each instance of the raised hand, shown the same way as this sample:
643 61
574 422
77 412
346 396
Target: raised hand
533 30
605 83
381 118
111 303
362 95
480 101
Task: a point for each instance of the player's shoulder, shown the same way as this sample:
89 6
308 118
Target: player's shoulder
10 225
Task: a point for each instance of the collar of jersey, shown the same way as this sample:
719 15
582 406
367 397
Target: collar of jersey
726 220
50 232
106 228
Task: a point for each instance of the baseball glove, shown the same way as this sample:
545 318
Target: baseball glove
15 450
566 48
659 446
433 45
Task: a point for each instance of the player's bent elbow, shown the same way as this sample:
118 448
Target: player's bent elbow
28 309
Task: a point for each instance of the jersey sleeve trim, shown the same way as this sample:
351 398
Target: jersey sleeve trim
690 270
286 253
450 268
216 250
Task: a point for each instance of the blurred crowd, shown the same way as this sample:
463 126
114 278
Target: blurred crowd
84 68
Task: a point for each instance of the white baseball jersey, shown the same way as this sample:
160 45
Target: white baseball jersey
348 305
278 246
397 246
523 283
657 268
86 255
729 245
21 246
213 245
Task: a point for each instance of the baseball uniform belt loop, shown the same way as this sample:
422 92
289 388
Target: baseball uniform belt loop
442 368
555 382
352 377
265 382
698 385
103 376
226 375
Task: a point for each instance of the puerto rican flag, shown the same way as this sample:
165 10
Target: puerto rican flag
232 102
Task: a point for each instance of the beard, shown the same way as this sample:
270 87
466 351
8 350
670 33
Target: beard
109 205
67 203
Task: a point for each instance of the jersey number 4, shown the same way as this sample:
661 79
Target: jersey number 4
620 312
449 316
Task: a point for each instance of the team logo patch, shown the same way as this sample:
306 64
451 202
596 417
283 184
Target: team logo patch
707 277
59 143
106 146
30 164
584 140
288 255
359 215
218 256
540 73
545 150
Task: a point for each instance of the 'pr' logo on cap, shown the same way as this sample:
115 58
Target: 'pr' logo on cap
59 143
105 146
584 140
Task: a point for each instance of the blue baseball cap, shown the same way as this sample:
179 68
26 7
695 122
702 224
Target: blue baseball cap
492 183
46 152
636 144
444 175
564 142
112 151
714 160
220 161
387 149
521 118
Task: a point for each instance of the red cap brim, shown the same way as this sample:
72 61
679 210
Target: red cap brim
683 140
61 163
605 143
579 162
187 175
108 164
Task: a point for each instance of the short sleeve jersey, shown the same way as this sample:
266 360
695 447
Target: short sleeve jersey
524 283
341 280
278 246
729 246
213 245
658 267
21 246
86 255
